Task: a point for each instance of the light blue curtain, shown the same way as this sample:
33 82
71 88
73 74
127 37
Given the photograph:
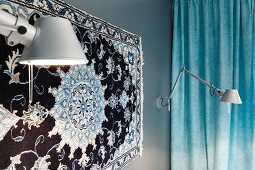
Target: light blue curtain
214 39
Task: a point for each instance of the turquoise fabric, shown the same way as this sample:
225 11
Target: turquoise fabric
214 39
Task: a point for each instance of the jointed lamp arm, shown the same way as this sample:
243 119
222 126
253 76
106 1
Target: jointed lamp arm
213 90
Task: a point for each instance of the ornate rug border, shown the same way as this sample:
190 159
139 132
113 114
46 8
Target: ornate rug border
112 31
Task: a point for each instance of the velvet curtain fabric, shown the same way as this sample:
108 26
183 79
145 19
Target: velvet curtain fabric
214 39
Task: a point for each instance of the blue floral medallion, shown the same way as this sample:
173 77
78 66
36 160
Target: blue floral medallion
79 108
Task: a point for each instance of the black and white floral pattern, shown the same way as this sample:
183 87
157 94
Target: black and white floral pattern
82 117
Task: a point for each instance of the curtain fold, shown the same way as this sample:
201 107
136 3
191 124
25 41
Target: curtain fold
214 39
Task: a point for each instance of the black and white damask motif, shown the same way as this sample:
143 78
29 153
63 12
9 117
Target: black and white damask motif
82 117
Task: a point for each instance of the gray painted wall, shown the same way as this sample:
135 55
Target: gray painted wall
149 19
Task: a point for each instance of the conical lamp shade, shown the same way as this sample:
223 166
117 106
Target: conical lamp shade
231 96
55 44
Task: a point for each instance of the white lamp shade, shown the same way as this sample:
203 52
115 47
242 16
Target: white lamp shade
231 96
55 43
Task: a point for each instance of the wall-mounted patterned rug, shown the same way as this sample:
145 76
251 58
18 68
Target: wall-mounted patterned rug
83 116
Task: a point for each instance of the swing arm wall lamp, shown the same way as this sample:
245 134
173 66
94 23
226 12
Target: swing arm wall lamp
50 41
230 96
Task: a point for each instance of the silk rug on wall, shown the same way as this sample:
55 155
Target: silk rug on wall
82 117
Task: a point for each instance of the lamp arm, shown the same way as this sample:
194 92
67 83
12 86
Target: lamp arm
160 100
17 30
213 90
198 78
8 27
176 82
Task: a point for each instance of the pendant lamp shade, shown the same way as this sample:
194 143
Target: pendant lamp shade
231 96
55 43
